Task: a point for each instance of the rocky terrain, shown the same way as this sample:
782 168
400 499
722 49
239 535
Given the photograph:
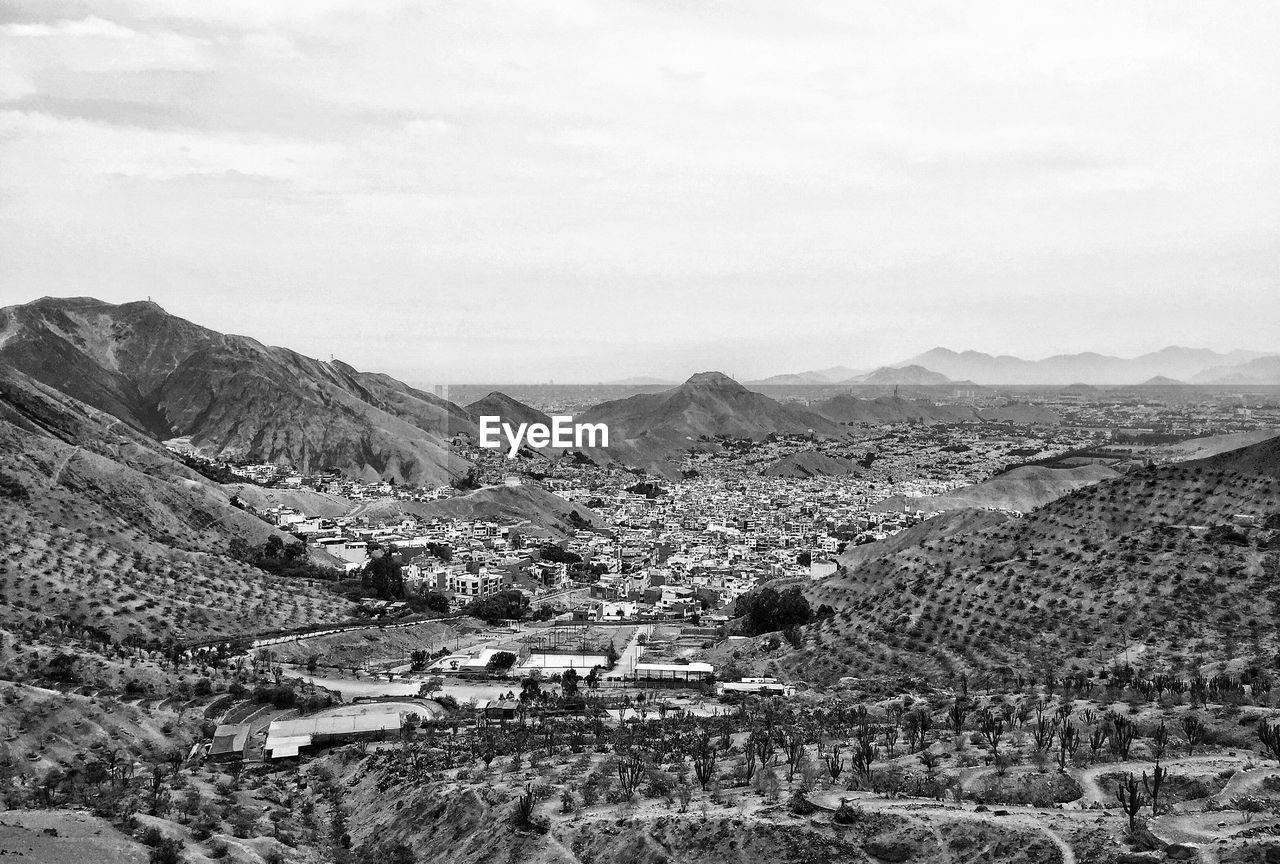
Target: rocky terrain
654 430
810 463
230 395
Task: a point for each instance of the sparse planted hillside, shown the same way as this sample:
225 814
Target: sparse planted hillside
103 530
1148 566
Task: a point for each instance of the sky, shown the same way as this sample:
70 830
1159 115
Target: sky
522 191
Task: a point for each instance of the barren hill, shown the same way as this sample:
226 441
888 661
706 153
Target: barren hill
1195 364
307 501
810 463
502 504
913 375
231 395
1128 561
509 410
1262 458
653 430
1023 489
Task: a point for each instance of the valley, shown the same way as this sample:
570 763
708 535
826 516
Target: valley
320 622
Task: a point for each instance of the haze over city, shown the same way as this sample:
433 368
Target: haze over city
592 191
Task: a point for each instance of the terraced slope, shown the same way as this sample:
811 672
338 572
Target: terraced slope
1142 565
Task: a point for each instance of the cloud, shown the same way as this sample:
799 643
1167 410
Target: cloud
661 171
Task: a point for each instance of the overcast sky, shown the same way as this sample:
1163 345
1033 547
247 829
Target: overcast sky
581 191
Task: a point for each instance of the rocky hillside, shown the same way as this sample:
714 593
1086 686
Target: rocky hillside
654 430
1146 566
509 410
810 463
231 395
906 375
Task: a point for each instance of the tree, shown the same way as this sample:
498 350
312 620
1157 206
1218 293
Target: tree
158 793
1270 735
503 606
382 574
957 714
991 727
525 808
436 602
1160 741
499 662
569 682
1193 730
834 762
1153 786
1130 798
704 762
1122 732
768 611
929 760
167 851
611 655
1068 743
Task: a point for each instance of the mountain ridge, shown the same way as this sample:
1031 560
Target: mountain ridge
232 395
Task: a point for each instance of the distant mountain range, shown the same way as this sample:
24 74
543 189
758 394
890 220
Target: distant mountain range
1087 368
1260 370
833 375
1169 366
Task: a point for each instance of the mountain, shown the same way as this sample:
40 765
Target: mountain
1162 381
130 542
1261 459
1124 567
909 375
1023 489
1212 445
832 375
1261 370
509 410
810 463
654 430
231 395
1084 368
883 410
